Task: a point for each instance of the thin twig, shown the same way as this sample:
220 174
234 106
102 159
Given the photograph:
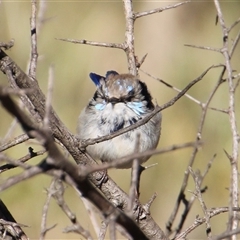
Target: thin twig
10 131
203 47
34 53
103 230
234 45
127 159
197 180
13 142
171 86
129 37
199 221
135 178
49 97
24 159
234 197
158 10
58 190
44 228
93 43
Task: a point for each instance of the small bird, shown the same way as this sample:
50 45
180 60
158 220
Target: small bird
119 101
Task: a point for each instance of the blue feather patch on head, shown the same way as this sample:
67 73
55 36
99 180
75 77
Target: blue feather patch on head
96 78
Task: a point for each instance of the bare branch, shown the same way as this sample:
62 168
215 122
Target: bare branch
234 45
129 37
57 191
130 158
93 43
204 48
44 228
199 221
34 53
9 227
13 142
234 197
158 10
24 159
49 97
197 180
174 88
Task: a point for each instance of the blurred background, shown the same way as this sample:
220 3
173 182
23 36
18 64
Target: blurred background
162 36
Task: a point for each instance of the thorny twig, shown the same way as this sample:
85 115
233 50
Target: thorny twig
234 185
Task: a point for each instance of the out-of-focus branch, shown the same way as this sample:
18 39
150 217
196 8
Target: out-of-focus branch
57 191
14 164
93 43
158 10
9 226
13 142
34 53
129 37
199 221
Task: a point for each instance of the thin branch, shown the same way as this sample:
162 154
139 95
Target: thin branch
10 131
171 86
49 97
199 221
92 215
13 142
234 197
227 234
41 12
233 25
93 43
9 225
125 160
234 45
57 191
34 53
24 159
44 228
203 47
197 180
129 37
158 10
135 178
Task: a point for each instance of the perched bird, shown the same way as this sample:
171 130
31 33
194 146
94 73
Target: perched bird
119 101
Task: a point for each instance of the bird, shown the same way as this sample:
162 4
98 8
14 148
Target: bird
119 101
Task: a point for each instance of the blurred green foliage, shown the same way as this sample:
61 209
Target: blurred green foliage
162 36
